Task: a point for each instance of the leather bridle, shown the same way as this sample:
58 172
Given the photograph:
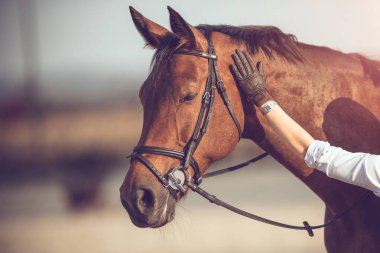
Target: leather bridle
179 177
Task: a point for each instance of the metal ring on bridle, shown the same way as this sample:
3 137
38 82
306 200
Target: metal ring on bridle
177 178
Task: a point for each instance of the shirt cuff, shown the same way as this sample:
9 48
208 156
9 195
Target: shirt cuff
315 151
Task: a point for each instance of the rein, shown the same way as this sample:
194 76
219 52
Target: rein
178 178
213 199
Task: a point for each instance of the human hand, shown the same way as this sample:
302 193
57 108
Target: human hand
250 78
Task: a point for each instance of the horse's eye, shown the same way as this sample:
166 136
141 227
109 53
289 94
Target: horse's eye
188 97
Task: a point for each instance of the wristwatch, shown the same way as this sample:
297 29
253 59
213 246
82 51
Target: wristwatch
266 108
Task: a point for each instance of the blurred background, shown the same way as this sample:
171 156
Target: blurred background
69 113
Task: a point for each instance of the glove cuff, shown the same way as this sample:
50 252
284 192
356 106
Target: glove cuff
260 98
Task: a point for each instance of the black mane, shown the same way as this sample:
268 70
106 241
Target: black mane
267 38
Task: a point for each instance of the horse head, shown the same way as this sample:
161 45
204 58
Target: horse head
172 97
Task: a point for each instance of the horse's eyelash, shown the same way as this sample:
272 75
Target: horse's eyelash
188 97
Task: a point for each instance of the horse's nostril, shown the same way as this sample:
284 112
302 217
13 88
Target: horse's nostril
144 201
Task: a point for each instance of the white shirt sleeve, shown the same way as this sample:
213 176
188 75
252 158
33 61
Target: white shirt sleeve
361 169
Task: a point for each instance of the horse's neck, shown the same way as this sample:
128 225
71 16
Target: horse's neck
305 90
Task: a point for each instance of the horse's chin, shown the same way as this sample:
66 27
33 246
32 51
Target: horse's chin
148 223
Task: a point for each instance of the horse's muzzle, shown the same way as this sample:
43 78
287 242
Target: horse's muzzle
148 207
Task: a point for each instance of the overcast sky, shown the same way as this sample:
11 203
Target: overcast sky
95 40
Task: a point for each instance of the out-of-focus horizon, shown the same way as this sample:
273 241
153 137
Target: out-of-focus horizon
69 112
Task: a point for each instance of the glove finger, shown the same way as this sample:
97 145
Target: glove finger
260 67
249 59
244 61
235 72
239 65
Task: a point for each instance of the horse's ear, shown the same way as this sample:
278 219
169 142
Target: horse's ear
151 32
193 37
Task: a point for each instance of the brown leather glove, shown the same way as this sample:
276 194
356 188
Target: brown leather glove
250 78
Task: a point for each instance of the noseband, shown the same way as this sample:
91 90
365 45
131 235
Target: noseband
179 177
214 81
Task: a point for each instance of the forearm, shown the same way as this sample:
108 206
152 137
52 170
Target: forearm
289 131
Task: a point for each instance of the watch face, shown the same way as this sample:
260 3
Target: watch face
268 107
